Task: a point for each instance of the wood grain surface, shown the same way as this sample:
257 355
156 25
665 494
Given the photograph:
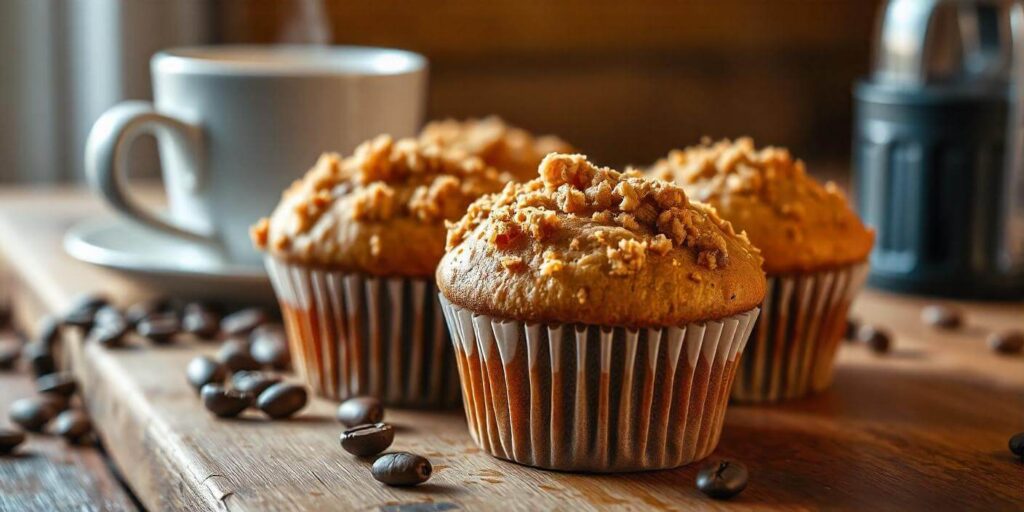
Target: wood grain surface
924 427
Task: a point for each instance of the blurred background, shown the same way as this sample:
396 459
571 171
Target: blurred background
625 82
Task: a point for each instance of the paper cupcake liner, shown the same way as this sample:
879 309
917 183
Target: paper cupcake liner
793 346
353 334
588 398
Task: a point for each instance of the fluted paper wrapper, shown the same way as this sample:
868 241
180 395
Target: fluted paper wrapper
589 398
353 334
792 349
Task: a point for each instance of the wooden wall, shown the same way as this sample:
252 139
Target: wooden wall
625 81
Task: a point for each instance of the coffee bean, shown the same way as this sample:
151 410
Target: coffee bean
32 413
40 358
54 401
360 410
89 300
160 328
876 338
1017 445
48 331
60 383
225 403
367 440
253 382
142 310
73 425
82 312
722 479
241 323
401 469
234 354
852 324
10 439
1006 342
270 346
10 350
941 316
201 324
282 400
203 370
109 333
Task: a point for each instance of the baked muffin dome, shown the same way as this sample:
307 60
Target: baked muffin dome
586 244
498 144
798 224
381 211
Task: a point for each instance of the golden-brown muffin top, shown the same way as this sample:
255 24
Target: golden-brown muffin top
587 244
798 224
498 144
380 211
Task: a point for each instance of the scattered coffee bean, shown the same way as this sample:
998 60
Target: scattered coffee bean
941 316
60 383
852 324
1007 342
225 403
203 370
282 400
241 323
234 354
90 300
32 413
56 402
10 350
82 312
722 479
401 469
109 333
201 324
73 425
367 440
48 332
1017 445
40 358
253 382
876 338
142 310
160 328
269 346
360 410
10 439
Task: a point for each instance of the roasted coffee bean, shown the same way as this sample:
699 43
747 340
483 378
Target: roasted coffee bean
110 333
10 439
876 338
92 300
73 425
241 323
282 400
1006 342
203 370
10 350
253 382
941 316
32 413
82 312
401 469
48 331
360 410
367 440
142 310
852 324
40 358
160 328
60 383
225 403
1017 445
722 479
269 346
201 324
234 354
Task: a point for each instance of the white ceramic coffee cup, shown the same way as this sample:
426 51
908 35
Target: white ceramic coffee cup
236 125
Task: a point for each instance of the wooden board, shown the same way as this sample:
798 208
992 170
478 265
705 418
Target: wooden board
923 428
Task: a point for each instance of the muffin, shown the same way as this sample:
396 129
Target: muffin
597 318
499 145
815 251
351 251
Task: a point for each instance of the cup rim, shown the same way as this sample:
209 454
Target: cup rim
320 61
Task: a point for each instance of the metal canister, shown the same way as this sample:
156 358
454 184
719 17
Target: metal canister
938 147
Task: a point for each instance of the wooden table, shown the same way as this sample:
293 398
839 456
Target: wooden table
922 428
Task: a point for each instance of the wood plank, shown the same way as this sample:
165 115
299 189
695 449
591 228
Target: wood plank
922 428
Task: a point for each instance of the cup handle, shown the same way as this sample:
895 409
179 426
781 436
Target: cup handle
106 152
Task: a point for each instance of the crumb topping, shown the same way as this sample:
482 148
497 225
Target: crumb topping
495 142
582 213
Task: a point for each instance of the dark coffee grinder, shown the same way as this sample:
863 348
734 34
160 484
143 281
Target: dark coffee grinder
937 148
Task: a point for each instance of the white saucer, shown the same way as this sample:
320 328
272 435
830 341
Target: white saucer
172 265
